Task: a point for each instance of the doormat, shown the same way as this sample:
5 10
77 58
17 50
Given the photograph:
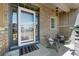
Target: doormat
27 49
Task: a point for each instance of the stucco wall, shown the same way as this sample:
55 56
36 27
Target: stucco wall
3 28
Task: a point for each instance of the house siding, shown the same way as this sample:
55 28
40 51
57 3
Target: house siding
45 14
69 20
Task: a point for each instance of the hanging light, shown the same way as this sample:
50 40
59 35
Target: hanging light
57 12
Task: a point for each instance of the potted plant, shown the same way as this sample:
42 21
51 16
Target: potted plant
76 28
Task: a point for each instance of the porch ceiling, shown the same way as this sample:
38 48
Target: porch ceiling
62 6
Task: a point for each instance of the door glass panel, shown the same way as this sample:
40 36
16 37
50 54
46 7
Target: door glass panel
36 29
13 27
27 26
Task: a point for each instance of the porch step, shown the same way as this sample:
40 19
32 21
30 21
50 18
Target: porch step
27 49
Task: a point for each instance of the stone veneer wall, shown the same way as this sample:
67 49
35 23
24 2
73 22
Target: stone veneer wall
3 28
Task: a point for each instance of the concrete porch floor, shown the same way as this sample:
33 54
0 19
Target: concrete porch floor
43 51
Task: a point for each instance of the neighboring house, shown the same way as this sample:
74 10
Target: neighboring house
37 20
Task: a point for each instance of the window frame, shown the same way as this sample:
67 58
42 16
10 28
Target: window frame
55 22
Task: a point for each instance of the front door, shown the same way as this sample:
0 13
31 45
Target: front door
26 26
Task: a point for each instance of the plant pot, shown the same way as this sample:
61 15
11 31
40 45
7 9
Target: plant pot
77 32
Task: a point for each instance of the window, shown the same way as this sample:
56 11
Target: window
52 23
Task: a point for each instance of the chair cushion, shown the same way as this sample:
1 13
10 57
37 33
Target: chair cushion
51 41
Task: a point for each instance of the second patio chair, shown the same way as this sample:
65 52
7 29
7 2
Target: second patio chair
52 42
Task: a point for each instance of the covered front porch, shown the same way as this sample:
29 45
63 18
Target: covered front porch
24 28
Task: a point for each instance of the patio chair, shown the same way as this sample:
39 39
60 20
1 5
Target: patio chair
52 42
60 38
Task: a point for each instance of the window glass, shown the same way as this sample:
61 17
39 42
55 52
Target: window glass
13 29
52 23
27 25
